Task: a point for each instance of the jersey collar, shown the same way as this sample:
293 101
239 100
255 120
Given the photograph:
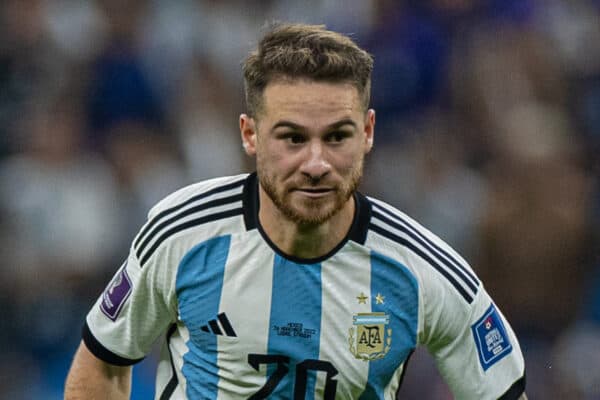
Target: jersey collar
357 233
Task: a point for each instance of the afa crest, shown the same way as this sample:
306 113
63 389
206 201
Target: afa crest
370 338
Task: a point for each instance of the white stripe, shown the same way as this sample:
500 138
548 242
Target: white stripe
178 348
339 303
248 312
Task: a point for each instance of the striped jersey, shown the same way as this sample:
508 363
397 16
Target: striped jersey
239 319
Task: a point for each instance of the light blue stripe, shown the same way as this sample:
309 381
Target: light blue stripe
399 287
362 320
295 311
199 285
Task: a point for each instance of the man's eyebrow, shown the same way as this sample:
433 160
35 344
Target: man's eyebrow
297 127
340 123
287 124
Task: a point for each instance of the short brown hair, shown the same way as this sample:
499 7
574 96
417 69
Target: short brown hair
291 51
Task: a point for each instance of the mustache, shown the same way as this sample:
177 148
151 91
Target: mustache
313 181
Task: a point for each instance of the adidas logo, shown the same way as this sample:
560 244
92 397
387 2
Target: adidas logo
219 326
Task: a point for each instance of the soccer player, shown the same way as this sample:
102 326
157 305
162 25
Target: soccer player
288 283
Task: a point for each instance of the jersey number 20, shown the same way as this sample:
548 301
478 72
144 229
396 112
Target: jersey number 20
302 369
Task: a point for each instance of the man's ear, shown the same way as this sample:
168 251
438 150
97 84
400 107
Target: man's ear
248 134
369 130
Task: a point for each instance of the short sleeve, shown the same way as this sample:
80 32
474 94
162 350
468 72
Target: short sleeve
136 307
474 347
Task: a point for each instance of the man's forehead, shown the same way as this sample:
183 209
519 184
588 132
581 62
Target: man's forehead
310 97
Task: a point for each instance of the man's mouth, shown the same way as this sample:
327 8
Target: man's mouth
314 192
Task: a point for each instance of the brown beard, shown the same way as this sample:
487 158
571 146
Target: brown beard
312 217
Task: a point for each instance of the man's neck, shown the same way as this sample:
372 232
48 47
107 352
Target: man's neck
304 241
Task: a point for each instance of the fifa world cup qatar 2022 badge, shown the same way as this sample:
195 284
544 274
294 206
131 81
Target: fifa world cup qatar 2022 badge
491 338
115 294
370 338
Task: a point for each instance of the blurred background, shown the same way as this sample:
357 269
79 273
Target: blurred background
488 131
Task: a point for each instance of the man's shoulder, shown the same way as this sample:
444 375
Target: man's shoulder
206 190
384 213
402 237
204 209
408 233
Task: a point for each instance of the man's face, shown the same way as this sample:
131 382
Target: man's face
310 140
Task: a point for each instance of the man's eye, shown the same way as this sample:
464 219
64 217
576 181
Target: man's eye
337 136
294 139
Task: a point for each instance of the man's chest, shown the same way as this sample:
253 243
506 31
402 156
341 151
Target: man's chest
260 324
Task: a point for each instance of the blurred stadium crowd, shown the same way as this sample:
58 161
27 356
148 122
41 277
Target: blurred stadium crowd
488 132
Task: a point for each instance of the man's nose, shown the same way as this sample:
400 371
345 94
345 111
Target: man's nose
315 165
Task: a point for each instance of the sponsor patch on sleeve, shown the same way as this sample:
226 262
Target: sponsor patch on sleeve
116 294
491 339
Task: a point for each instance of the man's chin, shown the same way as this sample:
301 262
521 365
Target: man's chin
312 216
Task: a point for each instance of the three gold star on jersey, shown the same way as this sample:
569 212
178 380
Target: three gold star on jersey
362 298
